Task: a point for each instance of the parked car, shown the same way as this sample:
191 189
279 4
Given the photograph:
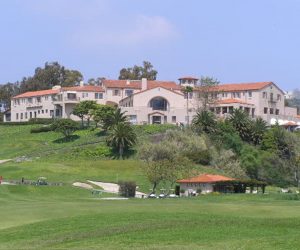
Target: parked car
153 196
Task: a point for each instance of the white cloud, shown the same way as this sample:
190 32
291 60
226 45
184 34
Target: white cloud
142 30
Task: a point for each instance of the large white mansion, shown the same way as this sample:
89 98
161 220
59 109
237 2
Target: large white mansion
148 102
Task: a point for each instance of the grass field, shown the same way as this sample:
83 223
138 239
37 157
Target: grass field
63 217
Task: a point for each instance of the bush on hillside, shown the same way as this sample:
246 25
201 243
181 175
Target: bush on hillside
65 126
41 129
127 188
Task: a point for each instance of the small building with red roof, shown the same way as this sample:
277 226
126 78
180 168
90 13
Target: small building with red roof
202 184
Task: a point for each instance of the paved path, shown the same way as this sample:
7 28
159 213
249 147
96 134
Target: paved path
3 161
82 185
113 188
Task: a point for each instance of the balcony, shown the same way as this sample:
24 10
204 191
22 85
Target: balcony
72 99
66 100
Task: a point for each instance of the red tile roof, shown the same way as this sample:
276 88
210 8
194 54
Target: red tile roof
230 101
87 88
188 78
38 93
206 178
239 86
137 84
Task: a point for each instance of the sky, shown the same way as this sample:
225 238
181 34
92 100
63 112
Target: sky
234 41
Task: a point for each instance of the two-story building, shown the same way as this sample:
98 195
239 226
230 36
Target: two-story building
157 102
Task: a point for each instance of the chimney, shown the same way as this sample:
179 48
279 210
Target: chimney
144 84
81 83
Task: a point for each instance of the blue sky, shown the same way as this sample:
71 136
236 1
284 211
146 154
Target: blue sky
232 40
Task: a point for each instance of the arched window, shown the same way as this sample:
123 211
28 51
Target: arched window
159 103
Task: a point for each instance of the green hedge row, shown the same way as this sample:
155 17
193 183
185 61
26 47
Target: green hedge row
41 129
31 121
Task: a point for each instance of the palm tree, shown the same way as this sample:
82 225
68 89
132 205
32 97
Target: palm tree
121 137
205 121
113 119
258 129
187 90
242 124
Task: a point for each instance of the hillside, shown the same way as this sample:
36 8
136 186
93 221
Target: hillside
60 217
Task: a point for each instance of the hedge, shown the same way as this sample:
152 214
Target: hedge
41 129
46 121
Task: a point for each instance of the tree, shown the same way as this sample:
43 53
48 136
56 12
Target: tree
258 129
205 121
187 90
208 91
65 126
52 74
7 91
250 161
84 109
241 122
102 113
112 119
138 72
121 137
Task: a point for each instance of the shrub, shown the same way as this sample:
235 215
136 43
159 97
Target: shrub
101 151
41 129
65 126
127 188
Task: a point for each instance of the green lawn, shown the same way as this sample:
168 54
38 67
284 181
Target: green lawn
63 217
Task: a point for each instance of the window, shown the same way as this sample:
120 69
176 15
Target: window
265 110
224 94
46 111
38 111
30 115
128 92
51 113
159 103
271 111
84 94
133 119
271 97
46 98
277 112
249 93
21 116
174 119
17 116
98 95
236 95
278 97
38 99
116 92
29 100
42 111
265 95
